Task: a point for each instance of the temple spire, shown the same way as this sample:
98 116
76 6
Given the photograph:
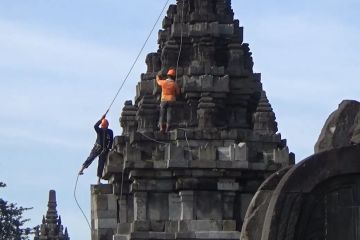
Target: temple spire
51 227
264 118
51 215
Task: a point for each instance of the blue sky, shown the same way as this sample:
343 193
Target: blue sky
61 63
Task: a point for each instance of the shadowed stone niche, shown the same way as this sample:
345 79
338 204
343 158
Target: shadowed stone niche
319 198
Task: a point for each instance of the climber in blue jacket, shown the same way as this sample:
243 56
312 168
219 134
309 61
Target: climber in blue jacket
103 144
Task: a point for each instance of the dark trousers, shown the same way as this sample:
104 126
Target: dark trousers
101 164
97 151
165 108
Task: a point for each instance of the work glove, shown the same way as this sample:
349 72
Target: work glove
81 172
162 73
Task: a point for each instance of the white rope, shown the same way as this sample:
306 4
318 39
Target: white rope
181 38
152 139
187 141
137 57
121 191
77 203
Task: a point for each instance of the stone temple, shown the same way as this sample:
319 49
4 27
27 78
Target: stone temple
196 181
223 171
51 227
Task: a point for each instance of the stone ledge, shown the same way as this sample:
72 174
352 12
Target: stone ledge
203 225
152 235
109 223
103 214
101 189
121 237
215 235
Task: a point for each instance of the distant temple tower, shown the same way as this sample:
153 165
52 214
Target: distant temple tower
51 227
196 181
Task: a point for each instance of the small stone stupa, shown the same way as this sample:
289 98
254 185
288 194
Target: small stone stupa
51 227
196 181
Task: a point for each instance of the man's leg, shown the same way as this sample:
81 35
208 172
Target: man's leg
102 160
162 115
96 150
169 115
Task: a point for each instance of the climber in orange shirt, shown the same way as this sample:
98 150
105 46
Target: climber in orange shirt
169 91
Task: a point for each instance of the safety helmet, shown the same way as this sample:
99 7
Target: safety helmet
171 72
104 123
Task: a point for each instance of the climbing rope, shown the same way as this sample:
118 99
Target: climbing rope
181 38
77 203
187 141
152 139
165 143
121 192
137 57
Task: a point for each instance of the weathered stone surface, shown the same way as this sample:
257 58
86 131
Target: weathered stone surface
152 235
228 185
121 237
206 209
255 215
159 185
264 117
187 205
355 133
228 209
102 189
158 206
123 228
281 156
114 164
315 199
109 223
341 128
200 225
228 235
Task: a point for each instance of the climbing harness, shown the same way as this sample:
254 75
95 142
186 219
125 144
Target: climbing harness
77 203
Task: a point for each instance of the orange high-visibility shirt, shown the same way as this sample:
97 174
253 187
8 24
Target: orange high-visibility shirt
169 89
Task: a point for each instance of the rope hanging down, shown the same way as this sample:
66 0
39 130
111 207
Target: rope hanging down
77 203
137 57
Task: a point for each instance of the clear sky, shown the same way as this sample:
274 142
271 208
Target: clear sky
61 62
